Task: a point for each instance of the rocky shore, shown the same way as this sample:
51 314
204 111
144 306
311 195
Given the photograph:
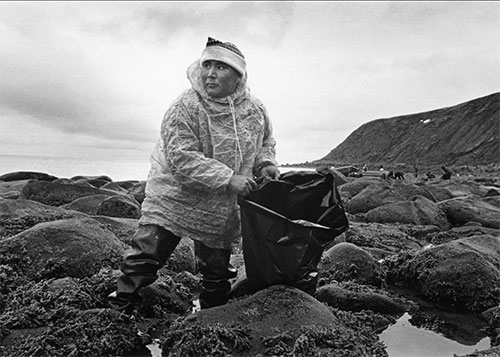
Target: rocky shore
62 240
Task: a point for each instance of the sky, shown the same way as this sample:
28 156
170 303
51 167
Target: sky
87 79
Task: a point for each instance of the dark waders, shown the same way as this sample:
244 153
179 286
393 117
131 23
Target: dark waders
151 247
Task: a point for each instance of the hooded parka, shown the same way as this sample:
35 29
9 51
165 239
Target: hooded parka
204 141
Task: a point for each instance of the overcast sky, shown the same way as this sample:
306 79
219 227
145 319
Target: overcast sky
95 78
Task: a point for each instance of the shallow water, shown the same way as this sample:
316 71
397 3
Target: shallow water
405 340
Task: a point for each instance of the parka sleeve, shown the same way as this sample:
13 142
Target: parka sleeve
184 155
266 154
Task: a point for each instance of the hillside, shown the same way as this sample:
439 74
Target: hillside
464 134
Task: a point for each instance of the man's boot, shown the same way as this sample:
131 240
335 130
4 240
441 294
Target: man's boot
151 247
216 271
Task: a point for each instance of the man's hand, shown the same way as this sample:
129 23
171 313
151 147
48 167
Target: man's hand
270 171
241 185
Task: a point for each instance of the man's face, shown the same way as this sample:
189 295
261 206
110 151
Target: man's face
219 79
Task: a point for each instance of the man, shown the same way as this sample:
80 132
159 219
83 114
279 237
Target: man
215 138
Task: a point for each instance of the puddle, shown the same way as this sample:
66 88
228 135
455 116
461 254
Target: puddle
434 331
154 348
405 340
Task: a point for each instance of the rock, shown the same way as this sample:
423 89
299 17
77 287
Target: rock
382 193
490 313
127 185
464 187
343 298
12 189
461 232
492 192
92 332
276 321
27 175
380 236
464 273
469 208
19 215
165 296
138 191
123 228
351 189
63 284
88 178
56 193
120 206
346 261
94 182
183 257
437 193
493 200
114 186
420 232
87 204
75 247
417 211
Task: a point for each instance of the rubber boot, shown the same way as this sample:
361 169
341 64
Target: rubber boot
213 264
151 247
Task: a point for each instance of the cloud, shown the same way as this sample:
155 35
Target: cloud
102 74
87 67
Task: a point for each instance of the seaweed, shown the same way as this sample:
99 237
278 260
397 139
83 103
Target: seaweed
90 333
216 341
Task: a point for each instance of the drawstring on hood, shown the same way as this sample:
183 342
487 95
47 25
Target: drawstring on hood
219 104
237 164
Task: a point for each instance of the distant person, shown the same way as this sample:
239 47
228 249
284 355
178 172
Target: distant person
416 170
429 175
447 173
398 175
215 139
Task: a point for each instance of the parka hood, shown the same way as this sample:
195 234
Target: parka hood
194 75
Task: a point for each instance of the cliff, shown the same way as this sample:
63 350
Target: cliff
464 134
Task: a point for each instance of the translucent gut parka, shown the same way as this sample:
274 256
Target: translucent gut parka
203 142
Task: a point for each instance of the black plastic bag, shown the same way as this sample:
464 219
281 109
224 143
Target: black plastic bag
286 225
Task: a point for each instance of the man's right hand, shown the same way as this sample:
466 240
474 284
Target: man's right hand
241 185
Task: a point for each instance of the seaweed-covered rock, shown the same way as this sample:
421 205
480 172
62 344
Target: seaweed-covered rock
383 193
89 178
96 332
138 191
165 296
120 206
12 189
87 204
27 175
464 273
354 297
19 215
461 232
471 208
351 189
417 211
57 193
276 321
381 236
183 257
346 261
114 186
70 247
123 228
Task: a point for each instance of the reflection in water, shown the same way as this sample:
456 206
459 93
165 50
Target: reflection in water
405 340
